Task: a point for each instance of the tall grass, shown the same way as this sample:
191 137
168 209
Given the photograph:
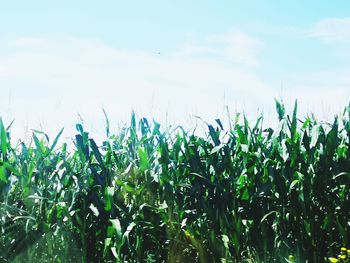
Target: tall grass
148 195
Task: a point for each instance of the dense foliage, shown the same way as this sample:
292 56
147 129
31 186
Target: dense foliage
147 195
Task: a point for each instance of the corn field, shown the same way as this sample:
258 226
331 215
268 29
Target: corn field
245 193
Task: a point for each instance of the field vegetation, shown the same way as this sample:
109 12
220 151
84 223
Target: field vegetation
245 193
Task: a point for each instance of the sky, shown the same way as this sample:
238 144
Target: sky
62 62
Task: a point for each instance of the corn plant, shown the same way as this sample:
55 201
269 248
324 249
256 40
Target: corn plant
247 193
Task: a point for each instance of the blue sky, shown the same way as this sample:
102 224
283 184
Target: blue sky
170 60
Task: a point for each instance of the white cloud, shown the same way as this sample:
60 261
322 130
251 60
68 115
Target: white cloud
241 47
49 81
26 42
234 47
332 30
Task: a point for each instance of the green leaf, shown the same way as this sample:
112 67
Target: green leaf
214 135
79 128
218 121
114 252
225 240
293 184
109 192
280 110
245 195
3 176
96 153
217 148
117 228
241 135
82 148
3 137
332 139
53 145
267 215
107 123
94 209
307 227
128 230
294 122
144 161
128 188
314 136
108 243
38 145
